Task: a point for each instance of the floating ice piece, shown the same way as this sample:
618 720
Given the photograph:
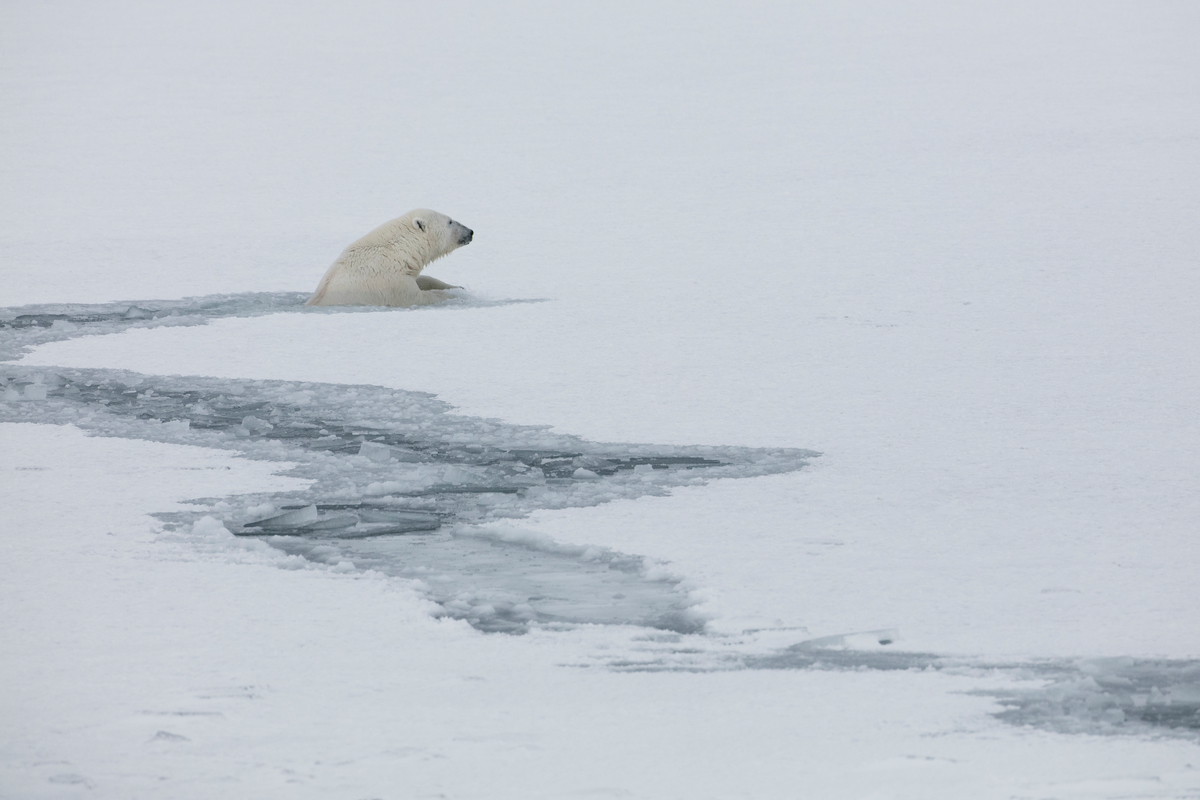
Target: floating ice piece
255 425
35 391
301 398
375 452
417 523
852 641
383 453
406 455
378 488
331 523
583 474
456 476
381 488
377 522
261 509
378 515
458 488
290 519
364 523
138 313
531 478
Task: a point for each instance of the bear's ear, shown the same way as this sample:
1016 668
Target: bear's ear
420 223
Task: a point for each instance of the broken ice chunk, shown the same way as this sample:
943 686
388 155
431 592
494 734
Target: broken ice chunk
290 519
253 424
261 509
35 391
406 455
138 313
375 451
376 515
302 398
530 479
459 476
863 640
331 523
378 488
583 474
385 523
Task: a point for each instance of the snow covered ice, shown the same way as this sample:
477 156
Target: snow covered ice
568 535
385 462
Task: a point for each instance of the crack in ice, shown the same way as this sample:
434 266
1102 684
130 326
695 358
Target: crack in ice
402 486
399 483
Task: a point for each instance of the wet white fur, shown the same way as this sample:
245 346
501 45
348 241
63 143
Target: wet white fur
382 268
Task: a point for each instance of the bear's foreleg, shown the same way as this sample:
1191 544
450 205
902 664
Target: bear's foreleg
426 283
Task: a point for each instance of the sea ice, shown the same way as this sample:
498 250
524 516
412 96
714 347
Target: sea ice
289 519
386 465
1104 694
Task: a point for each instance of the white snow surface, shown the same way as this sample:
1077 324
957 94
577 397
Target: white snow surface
952 248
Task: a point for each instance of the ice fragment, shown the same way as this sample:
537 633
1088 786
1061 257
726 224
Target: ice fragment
375 452
290 519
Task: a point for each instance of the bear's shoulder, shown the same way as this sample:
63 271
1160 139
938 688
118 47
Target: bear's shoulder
389 233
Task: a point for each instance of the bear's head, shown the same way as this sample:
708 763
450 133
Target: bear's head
414 240
444 233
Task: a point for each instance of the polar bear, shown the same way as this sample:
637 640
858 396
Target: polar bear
384 267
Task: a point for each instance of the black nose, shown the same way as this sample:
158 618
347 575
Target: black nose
466 237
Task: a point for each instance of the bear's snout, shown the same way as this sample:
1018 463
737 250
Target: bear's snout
466 237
